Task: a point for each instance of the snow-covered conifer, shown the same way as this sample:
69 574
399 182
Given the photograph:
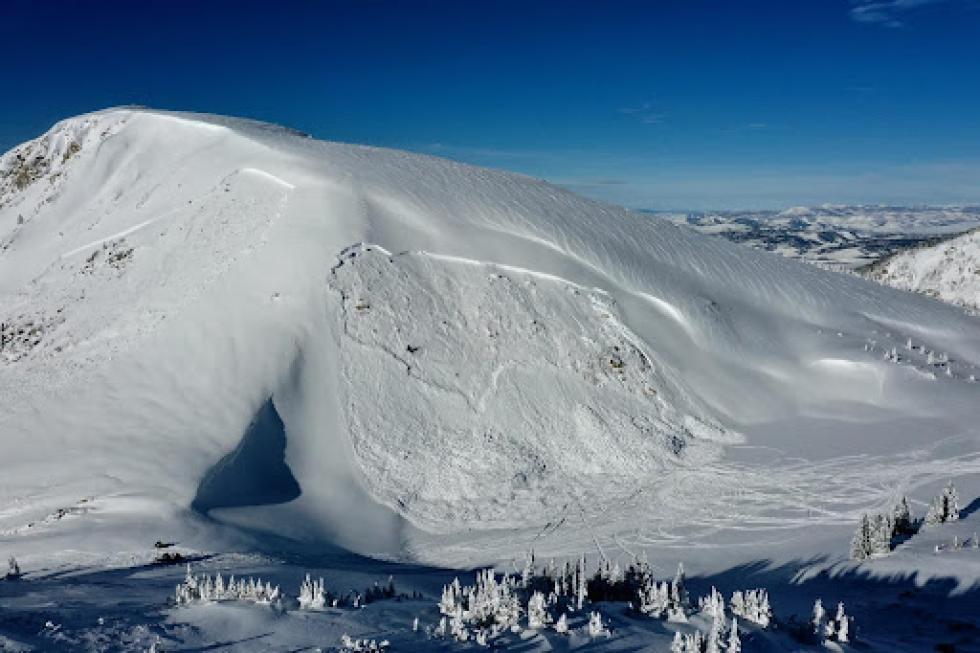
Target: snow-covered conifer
819 618
737 602
902 517
716 634
561 626
861 542
882 532
952 498
311 594
678 645
581 588
678 591
528 572
843 624
537 612
596 627
945 507
13 568
734 642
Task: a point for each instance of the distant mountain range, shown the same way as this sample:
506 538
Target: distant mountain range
919 248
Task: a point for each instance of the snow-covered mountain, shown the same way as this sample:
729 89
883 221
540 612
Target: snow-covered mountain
836 236
446 346
227 333
948 270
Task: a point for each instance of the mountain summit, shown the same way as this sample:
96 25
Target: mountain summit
216 316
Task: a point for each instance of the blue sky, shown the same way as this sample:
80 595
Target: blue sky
664 105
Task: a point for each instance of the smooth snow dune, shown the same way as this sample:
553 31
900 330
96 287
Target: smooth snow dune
450 349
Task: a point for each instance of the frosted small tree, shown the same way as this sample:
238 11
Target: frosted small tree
561 626
882 531
902 517
311 594
944 508
843 624
537 612
596 627
737 603
716 634
713 605
734 642
819 618
952 501
861 542
581 589
452 594
678 591
678 645
528 572
13 569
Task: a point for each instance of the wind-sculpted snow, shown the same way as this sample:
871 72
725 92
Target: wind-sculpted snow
450 350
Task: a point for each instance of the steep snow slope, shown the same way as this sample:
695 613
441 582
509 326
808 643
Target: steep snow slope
949 270
448 349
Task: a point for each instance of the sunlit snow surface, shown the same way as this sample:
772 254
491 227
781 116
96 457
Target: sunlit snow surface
467 363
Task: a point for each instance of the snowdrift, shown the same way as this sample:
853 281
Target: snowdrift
419 349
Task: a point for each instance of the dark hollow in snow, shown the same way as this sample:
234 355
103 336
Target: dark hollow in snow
255 473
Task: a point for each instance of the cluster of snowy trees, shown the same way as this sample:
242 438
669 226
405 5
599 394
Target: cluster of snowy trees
697 642
876 532
719 639
484 610
944 508
349 644
662 599
313 595
752 605
205 589
827 629
670 601
495 605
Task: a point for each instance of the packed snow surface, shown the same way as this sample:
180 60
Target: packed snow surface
461 362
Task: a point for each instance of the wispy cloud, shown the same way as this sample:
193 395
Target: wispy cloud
888 13
646 113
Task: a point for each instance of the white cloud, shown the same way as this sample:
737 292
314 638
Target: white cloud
886 12
645 113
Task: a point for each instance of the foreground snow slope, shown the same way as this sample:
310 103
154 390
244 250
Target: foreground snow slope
949 270
447 349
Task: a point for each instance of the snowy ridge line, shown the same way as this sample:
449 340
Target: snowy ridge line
509 268
271 177
663 306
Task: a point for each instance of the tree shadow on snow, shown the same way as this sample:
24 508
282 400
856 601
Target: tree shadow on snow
888 608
